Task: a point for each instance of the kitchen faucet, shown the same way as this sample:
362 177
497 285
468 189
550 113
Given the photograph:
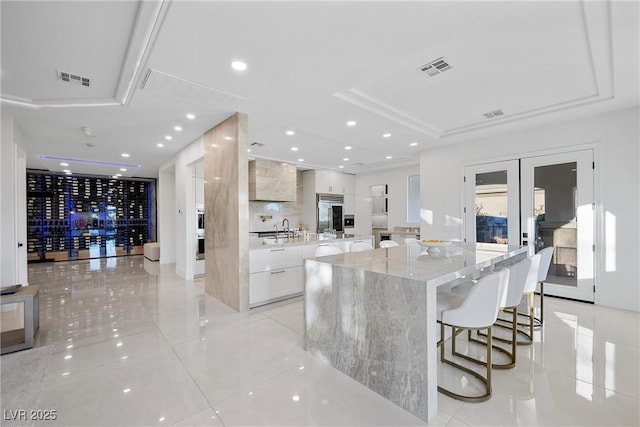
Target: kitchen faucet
275 227
287 229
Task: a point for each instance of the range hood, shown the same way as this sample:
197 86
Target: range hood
272 181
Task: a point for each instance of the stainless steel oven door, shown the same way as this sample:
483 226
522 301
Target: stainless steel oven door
200 249
200 221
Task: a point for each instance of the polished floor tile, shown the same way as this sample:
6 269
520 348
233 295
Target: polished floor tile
134 344
313 393
233 360
144 389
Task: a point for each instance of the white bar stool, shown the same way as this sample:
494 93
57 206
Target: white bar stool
518 275
327 250
479 310
388 244
361 246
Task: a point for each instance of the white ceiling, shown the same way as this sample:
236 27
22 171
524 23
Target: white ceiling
312 66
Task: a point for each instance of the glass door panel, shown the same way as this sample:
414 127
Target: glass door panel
491 205
557 208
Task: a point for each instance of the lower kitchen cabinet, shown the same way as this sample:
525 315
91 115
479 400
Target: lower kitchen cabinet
268 286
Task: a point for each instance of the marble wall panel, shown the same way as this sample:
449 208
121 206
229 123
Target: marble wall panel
227 207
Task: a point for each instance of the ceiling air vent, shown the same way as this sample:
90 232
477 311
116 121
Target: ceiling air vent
74 78
493 114
436 67
257 144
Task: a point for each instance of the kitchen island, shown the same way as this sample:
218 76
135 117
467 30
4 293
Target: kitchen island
275 269
372 314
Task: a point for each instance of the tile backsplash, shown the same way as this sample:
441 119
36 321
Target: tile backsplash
276 210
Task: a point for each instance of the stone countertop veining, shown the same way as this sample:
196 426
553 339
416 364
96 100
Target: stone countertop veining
313 239
415 262
404 232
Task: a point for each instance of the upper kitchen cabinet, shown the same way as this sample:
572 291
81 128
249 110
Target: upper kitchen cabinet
272 181
326 182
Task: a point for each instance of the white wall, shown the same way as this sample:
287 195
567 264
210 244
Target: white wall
167 215
615 137
13 259
183 208
397 181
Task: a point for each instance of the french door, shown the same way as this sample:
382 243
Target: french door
548 201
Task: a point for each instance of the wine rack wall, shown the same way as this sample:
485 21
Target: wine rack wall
76 217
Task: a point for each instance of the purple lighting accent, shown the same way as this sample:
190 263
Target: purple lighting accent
97 162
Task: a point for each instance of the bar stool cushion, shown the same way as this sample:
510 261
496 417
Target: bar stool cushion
327 250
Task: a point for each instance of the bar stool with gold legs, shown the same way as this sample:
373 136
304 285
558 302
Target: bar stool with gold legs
478 310
540 263
518 275
546 255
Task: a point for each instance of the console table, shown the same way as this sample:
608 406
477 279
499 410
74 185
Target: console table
23 338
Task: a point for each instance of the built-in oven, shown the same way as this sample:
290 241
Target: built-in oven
200 221
200 248
349 221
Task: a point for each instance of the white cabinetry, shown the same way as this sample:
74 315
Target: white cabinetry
274 273
326 182
349 204
275 284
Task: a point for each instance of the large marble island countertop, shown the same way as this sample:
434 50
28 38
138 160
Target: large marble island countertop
435 266
372 314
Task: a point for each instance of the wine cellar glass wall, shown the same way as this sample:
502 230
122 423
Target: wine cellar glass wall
77 217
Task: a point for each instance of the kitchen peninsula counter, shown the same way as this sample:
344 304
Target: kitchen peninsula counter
276 270
372 314
312 239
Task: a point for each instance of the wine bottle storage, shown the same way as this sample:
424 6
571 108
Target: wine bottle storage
73 217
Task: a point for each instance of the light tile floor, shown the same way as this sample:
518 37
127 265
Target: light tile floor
136 345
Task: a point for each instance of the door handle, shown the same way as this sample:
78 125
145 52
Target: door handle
20 245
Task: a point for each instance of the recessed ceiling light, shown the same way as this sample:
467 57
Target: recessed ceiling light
125 154
348 147
351 123
413 144
346 159
190 116
177 128
301 160
66 170
168 137
290 132
341 166
248 150
67 173
284 164
64 164
239 65
160 144
294 148
118 174
389 157
123 170
386 135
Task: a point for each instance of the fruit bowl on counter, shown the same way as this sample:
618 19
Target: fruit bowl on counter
433 244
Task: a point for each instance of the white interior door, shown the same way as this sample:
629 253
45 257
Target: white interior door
558 210
492 208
